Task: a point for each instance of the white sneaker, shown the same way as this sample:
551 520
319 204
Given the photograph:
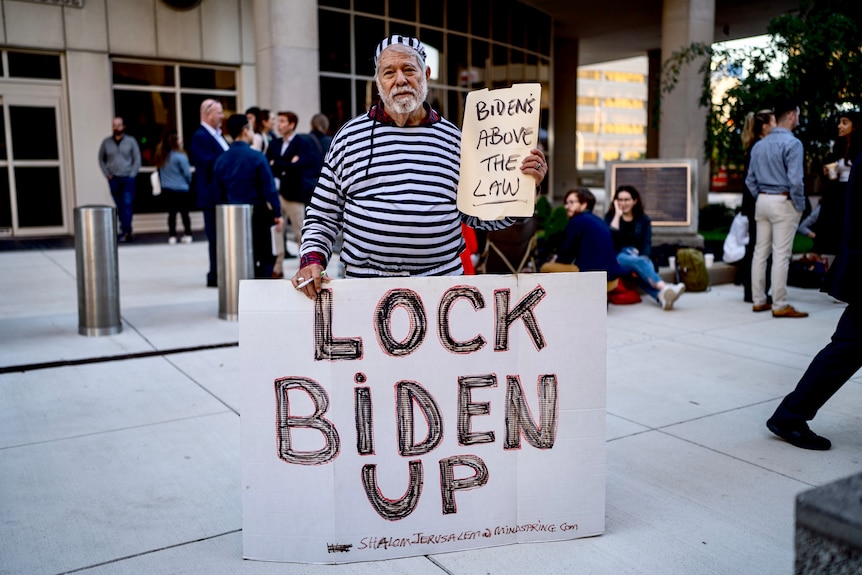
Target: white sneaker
670 294
172 240
187 239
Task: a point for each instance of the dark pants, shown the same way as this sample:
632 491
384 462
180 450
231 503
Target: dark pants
178 202
829 370
262 219
123 192
210 229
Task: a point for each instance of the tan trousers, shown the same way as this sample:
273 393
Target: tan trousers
555 267
295 212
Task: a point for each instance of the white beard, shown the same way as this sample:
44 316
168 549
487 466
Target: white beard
404 105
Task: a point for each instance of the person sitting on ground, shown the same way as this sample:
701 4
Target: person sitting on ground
587 245
631 230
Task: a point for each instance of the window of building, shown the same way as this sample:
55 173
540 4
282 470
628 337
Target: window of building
474 38
628 103
589 75
587 101
623 129
611 156
34 65
588 127
154 97
632 77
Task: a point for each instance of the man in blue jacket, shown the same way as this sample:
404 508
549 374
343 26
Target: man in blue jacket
836 363
207 145
587 243
242 176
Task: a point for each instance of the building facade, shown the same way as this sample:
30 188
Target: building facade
70 66
612 112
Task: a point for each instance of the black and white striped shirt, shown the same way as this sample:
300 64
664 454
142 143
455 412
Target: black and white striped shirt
392 191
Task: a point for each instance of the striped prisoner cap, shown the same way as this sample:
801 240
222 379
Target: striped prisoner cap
408 41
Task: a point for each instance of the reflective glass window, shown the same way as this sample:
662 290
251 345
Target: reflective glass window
456 15
39 197
5 199
135 74
30 65
402 10
147 115
431 13
207 78
34 132
369 32
3 153
335 101
334 41
370 6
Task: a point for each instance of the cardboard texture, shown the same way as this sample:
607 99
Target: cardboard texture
440 414
500 128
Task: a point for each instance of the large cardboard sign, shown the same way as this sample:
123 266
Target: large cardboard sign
500 128
409 416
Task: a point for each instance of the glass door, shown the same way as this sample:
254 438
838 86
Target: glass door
32 174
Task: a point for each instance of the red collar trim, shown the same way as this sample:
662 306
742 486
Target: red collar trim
378 113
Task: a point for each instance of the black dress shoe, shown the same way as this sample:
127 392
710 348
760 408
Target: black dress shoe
289 256
798 434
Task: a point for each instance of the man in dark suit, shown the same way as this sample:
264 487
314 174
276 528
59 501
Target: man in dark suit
242 176
296 161
836 363
207 145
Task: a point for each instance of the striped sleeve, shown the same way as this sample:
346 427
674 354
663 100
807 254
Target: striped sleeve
393 192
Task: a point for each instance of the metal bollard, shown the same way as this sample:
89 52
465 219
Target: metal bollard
234 255
98 271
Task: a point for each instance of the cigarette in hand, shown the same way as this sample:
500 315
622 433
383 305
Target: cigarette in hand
308 281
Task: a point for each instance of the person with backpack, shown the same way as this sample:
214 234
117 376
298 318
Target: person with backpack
631 230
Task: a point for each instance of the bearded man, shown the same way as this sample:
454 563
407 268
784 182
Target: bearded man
390 183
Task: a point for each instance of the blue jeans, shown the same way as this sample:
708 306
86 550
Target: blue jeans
643 268
123 191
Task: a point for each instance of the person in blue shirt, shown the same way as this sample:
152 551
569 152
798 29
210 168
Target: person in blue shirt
775 180
175 175
587 245
242 176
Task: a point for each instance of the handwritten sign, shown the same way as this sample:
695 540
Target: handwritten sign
409 416
500 128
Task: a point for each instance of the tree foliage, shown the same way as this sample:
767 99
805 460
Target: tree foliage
813 56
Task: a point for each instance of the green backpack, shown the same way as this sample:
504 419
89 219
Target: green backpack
691 269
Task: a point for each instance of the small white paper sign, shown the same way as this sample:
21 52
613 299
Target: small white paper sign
500 128
409 416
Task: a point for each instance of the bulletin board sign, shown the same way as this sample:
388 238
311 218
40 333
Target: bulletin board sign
500 127
667 188
397 417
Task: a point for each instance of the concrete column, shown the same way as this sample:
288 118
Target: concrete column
682 126
564 112
287 58
653 88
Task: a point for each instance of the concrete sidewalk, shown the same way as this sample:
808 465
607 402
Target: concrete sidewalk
120 454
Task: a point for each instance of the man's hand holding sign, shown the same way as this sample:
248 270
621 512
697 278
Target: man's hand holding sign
500 163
